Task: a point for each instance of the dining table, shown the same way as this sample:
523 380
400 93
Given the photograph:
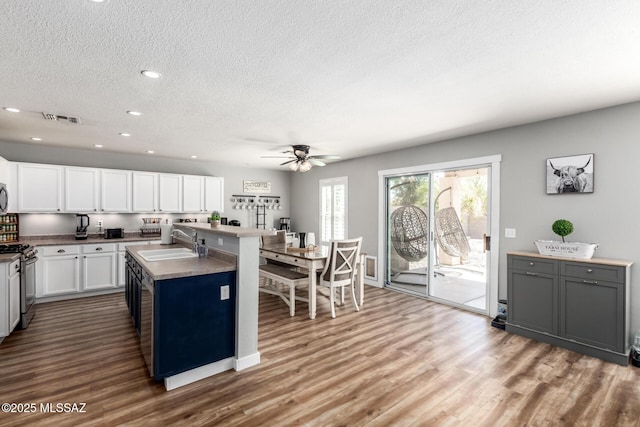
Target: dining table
313 261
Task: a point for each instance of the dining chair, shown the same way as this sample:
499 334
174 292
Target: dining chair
340 270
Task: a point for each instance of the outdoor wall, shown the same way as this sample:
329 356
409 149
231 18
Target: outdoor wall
609 216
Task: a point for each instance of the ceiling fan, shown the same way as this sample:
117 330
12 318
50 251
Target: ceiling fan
300 160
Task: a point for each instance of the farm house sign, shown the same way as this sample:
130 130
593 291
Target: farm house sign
256 186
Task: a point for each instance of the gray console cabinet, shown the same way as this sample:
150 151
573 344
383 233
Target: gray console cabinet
582 305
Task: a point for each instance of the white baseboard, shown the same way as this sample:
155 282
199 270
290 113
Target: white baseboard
198 374
247 361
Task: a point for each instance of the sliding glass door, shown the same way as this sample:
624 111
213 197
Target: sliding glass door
437 235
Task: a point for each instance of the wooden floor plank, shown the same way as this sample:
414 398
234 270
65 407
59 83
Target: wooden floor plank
400 361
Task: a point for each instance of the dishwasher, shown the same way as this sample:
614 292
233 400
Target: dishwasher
146 320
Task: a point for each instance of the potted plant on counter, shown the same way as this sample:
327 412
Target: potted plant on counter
215 219
562 228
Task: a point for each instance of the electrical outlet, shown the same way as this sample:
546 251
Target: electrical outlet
510 233
224 292
100 223
219 241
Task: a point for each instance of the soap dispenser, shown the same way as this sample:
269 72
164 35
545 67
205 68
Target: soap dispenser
203 251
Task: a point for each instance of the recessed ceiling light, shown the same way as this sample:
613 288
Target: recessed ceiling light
36 139
151 74
98 145
11 109
150 151
194 157
125 134
134 113
97 1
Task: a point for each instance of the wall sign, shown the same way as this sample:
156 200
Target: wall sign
256 186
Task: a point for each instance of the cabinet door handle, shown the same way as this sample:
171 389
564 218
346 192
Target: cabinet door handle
589 270
98 249
531 264
61 251
590 282
532 274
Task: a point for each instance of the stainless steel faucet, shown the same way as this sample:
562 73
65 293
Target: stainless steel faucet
193 237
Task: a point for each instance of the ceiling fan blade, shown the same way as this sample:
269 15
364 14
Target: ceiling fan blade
315 162
326 156
290 161
275 157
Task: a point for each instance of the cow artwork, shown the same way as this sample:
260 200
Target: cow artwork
570 178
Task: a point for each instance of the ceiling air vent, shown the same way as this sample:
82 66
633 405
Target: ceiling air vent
59 118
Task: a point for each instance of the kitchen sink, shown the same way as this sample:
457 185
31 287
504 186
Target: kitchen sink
167 254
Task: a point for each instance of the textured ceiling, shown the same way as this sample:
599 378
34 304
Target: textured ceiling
242 79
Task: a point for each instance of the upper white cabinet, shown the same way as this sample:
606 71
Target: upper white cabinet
52 188
81 189
115 191
192 193
169 192
39 187
145 191
213 194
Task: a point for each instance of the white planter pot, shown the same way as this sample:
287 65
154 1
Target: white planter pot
566 249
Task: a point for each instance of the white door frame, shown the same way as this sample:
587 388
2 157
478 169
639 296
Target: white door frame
494 196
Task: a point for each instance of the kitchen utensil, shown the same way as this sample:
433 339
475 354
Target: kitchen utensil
83 225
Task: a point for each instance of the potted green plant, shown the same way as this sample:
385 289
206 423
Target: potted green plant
215 219
562 228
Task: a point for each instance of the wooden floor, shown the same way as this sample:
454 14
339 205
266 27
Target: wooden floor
401 361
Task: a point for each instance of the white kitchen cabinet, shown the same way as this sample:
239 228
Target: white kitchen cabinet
58 270
98 267
9 297
192 193
115 190
145 191
170 192
81 189
213 194
39 187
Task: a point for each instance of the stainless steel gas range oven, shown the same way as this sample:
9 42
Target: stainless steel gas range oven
28 260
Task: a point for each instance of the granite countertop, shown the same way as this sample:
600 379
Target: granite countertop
9 257
216 262
227 230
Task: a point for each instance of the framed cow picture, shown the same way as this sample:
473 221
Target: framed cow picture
571 174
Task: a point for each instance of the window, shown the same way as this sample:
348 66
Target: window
333 209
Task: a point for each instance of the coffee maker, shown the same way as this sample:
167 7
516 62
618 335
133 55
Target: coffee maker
83 225
285 224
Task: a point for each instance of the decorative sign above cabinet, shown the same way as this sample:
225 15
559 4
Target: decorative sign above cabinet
263 187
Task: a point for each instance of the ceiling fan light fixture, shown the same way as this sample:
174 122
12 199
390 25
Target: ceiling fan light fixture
294 166
305 166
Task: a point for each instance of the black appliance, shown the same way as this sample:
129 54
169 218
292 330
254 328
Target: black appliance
234 222
285 224
114 233
28 260
83 224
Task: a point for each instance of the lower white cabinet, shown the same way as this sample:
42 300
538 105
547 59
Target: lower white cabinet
72 269
9 297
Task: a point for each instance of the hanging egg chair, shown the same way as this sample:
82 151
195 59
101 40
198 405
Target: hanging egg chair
409 232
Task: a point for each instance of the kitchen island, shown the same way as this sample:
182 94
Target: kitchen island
227 280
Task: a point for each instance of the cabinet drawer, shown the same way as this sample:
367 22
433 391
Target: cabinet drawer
59 250
98 248
589 271
534 265
14 268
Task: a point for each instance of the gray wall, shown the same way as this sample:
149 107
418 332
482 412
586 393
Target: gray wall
608 216
32 224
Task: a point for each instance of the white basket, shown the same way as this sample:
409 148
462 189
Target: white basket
566 249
